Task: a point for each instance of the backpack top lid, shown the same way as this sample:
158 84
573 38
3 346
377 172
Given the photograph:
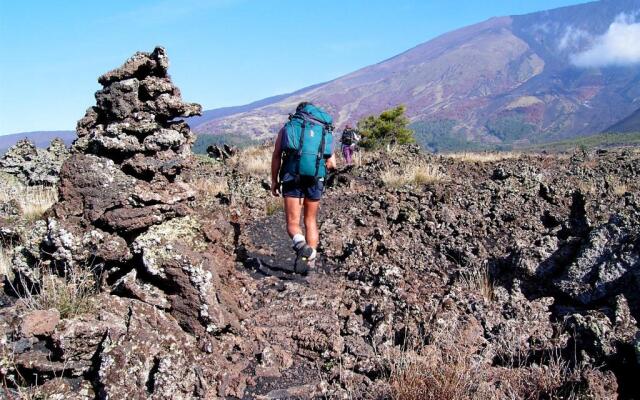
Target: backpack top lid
313 112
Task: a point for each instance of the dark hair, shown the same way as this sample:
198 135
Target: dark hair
302 105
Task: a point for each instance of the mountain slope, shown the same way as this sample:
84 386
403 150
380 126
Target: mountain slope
629 124
508 79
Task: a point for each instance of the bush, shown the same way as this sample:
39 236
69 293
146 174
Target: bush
389 127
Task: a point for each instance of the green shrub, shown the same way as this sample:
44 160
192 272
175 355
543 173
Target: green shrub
391 126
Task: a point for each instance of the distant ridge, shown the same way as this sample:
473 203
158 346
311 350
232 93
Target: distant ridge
40 138
629 124
505 81
218 113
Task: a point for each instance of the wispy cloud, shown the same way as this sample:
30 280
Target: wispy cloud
574 38
620 45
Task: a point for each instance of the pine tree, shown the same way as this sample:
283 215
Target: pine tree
391 126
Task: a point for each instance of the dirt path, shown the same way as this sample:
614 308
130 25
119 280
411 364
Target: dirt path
298 314
271 253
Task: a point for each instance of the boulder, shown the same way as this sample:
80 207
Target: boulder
605 264
39 322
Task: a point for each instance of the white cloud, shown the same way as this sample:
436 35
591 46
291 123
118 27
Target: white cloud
620 45
573 37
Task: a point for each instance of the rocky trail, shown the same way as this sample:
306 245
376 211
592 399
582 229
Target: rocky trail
156 274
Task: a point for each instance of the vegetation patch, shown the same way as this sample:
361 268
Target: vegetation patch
390 127
509 129
273 205
32 201
603 140
439 135
489 156
255 161
420 174
71 293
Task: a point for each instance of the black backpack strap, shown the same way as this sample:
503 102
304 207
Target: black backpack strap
320 151
311 119
299 155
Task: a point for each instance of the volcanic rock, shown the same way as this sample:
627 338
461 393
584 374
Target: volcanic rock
34 166
122 214
221 153
39 322
123 175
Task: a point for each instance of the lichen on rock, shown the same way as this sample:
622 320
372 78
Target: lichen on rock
34 166
122 214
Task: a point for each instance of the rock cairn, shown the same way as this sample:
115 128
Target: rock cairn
33 166
124 174
123 213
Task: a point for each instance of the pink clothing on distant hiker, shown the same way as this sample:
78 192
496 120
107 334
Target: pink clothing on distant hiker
347 152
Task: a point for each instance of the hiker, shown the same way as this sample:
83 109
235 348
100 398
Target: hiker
349 140
302 155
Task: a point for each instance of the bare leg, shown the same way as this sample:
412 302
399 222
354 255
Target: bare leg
310 222
293 210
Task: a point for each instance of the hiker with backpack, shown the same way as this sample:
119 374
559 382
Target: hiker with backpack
302 155
349 140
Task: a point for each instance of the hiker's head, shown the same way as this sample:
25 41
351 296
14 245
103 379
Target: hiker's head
348 126
302 105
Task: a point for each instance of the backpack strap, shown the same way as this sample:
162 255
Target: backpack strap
300 144
310 118
320 150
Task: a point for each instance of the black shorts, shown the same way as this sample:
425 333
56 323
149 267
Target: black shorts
306 187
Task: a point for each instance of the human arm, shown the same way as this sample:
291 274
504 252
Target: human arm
276 161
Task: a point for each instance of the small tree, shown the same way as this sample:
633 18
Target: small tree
389 127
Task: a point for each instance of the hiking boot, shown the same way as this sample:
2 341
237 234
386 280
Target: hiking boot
303 252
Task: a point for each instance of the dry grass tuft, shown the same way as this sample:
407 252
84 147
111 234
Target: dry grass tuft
480 281
586 188
420 174
255 161
620 189
33 201
446 371
71 294
434 374
273 205
451 364
482 157
210 187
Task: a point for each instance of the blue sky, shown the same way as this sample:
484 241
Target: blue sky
222 52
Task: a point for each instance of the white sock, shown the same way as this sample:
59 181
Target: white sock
313 255
297 238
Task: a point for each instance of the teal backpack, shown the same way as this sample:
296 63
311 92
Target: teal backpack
307 141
